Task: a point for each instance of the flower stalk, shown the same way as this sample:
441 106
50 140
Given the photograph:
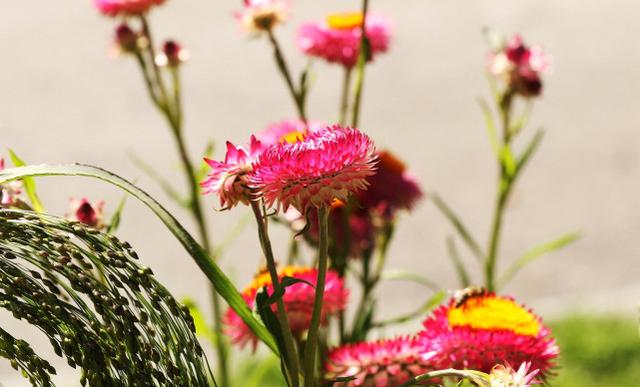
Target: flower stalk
310 349
362 63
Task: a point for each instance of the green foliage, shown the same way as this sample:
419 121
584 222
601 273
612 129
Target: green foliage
597 351
125 331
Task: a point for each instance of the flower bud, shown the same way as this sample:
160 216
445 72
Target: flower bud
126 39
172 55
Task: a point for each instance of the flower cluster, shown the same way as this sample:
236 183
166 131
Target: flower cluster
338 39
125 7
298 301
520 66
476 332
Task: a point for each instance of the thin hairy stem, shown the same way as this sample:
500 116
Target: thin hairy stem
344 99
362 63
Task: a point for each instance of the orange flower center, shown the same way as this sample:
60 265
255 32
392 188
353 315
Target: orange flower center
263 278
345 21
292 137
391 162
494 313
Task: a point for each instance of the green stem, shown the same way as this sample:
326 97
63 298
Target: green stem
290 355
344 100
171 108
479 378
284 70
362 63
310 349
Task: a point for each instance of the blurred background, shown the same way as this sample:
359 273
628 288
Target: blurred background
65 98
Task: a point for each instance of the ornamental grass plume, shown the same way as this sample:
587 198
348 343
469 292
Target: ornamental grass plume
115 8
298 302
230 179
381 363
520 66
338 39
482 330
84 211
262 15
328 164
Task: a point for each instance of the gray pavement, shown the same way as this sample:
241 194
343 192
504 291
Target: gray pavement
63 99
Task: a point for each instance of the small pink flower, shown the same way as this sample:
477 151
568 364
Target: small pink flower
126 39
229 179
172 54
298 301
483 330
506 376
379 363
125 7
521 66
262 15
85 212
391 188
9 191
338 40
329 164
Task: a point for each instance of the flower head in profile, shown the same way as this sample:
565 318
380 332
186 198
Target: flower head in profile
391 188
125 7
505 376
338 39
482 329
86 212
9 191
298 301
520 66
262 15
381 363
327 164
229 179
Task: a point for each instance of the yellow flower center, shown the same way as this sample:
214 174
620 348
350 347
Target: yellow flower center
292 137
264 278
494 313
345 21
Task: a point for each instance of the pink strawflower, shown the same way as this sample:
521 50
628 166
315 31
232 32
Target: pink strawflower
125 7
290 131
338 39
483 330
520 66
86 212
298 301
506 376
229 179
381 363
328 164
9 191
391 188
262 15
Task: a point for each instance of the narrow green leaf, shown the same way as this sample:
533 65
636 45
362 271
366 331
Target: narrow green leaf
508 161
117 215
231 236
218 278
29 184
517 126
463 276
458 225
204 167
340 379
492 133
403 275
529 151
286 282
537 252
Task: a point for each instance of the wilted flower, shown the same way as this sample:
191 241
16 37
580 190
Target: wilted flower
172 54
9 191
125 7
262 15
328 164
483 330
229 179
298 301
391 188
338 39
505 376
86 212
520 66
381 363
